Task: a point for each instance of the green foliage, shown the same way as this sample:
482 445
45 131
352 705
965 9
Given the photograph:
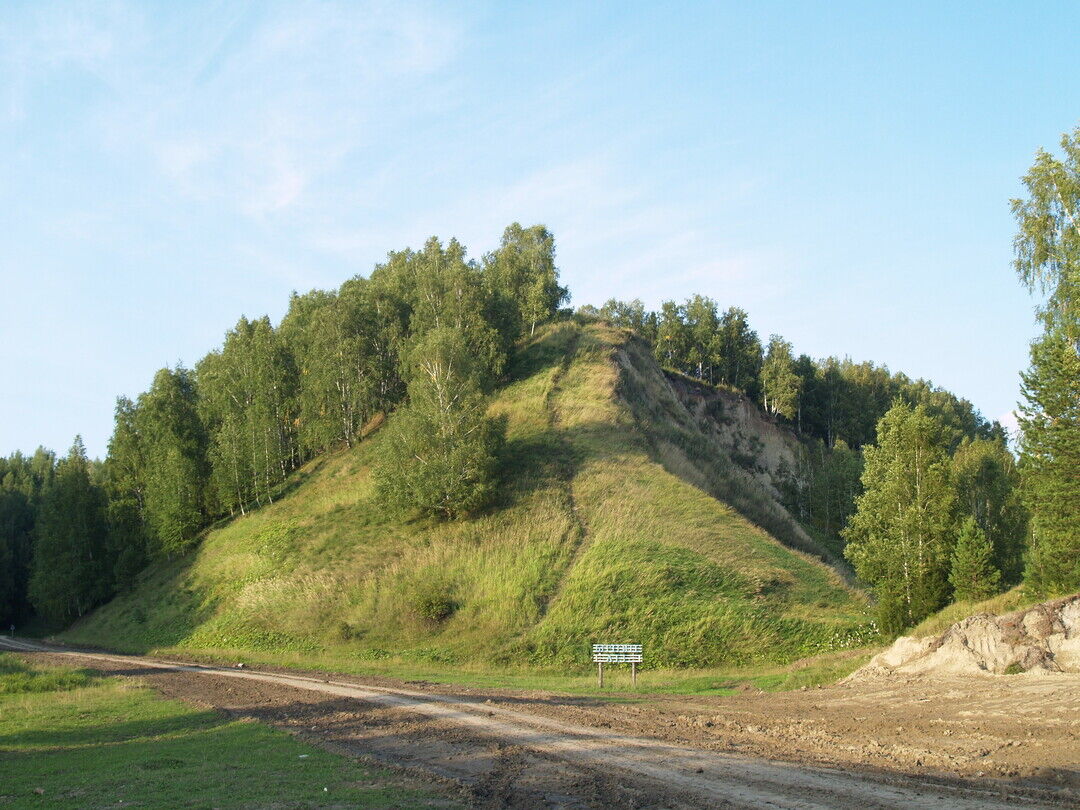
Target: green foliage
244 395
522 278
630 315
440 289
173 442
972 573
672 337
780 384
738 352
343 346
71 568
1048 261
694 339
834 484
433 602
988 488
831 399
23 481
901 536
441 457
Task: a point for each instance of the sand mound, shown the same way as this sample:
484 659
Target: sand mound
1044 638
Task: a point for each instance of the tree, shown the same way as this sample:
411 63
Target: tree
739 352
780 384
23 482
124 483
702 324
334 340
1047 248
16 526
523 276
988 490
972 574
174 443
672 336
247 389
440 455
901 535
834 486
626 314
441 289
72 571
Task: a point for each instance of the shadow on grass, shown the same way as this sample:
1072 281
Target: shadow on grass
141 731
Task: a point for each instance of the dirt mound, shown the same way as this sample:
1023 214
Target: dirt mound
1044 638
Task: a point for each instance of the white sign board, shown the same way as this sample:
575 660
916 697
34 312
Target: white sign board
616 653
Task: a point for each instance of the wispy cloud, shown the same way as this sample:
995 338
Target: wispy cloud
243 105
37 40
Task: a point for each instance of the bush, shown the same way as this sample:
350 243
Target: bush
434 606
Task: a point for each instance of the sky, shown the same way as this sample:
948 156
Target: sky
840 170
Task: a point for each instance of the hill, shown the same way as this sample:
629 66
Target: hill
621 519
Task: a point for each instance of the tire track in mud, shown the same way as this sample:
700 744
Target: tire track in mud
649 772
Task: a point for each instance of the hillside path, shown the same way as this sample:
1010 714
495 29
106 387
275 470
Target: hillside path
506 757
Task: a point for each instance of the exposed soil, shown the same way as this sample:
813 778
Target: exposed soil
894 741
1043 638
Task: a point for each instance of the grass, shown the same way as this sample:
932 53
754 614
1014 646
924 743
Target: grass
16 678
605 531
105 742
1013 599
717 681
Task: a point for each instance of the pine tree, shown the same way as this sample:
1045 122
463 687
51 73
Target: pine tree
988 488
901 535
440 457
1048 261
72 571
972 574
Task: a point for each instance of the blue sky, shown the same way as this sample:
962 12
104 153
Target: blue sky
840 170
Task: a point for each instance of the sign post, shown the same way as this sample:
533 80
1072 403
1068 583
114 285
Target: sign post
616 654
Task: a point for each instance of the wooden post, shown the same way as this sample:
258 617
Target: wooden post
633 672
600 670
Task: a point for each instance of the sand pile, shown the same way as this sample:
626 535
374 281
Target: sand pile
1044 638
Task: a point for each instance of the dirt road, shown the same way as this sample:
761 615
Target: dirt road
523 749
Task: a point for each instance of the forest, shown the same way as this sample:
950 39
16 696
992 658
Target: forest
919 492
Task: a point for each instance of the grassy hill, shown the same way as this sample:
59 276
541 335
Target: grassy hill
616 523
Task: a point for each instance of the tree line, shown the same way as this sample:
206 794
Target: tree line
834 399
427 332
919 491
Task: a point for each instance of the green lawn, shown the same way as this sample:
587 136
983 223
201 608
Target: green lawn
72 739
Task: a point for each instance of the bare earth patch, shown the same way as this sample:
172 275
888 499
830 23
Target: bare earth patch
895 741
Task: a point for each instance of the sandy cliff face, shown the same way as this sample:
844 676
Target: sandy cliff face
767 450
1044 638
